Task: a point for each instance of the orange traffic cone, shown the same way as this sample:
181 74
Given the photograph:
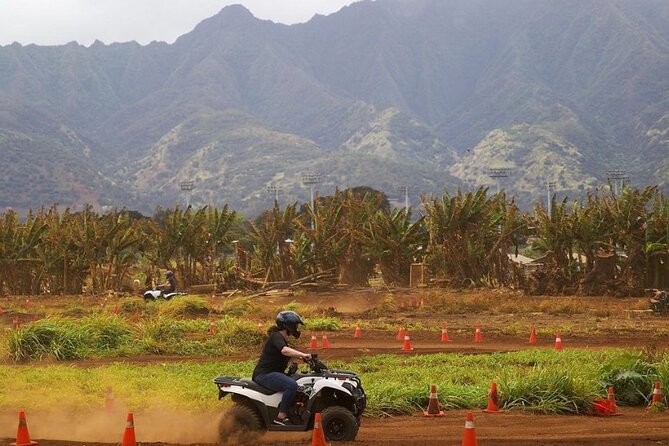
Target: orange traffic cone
22 435
444 334
657 399
400 334
406 346
493 401
211 331
469 439
558 342
613 407
357 333
326 343
318 437
533 336
129 434
1 311
313 345
477 335
109 400
433 407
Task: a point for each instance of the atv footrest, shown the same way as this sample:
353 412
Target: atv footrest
291 428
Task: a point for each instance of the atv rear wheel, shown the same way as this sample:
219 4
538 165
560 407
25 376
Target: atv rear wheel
239 425
339 424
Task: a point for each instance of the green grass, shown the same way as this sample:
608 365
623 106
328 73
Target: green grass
542 381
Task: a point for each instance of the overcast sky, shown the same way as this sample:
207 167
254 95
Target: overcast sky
55 22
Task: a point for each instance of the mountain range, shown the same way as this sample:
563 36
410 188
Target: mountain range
386 93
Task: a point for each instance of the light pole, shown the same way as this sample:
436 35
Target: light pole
187 186
276 190
550 187
497 173
405 189
310 179
617 176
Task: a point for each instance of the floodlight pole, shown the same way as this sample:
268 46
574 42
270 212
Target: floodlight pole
617 176
275 190
187 186
310 179
497 173
550 186
405 189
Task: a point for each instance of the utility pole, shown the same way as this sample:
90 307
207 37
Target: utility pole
311 179
550 187
617 177
276 190
405 189
187 187
497 173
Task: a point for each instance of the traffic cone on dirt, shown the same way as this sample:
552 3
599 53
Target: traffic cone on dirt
657 400
493 400
469 439
22 435
478 337
558 342
433 406
1 311
318 437
357 333
326 343
400 334
129 433
109 400
613 407
406 346
444 334
211 331
533 336
313 345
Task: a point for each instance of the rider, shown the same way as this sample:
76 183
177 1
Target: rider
170 286
276 354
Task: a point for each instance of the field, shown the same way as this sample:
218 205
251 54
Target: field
158 361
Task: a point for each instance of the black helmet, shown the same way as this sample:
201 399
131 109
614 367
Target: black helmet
169 273
289 321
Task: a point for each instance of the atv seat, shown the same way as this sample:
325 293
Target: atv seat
249 384
257 387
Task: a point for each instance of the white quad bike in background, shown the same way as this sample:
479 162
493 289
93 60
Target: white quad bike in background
336 394
160 295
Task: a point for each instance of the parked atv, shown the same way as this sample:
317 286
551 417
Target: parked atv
337 395
659 302
160 295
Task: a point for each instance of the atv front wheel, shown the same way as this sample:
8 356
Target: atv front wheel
339 424
239 425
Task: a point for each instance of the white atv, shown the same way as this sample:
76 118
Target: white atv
336 394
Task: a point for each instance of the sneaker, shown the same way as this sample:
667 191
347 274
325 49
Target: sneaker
285 421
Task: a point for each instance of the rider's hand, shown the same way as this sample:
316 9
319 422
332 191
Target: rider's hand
306 357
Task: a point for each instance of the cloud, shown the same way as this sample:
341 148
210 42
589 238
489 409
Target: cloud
55 22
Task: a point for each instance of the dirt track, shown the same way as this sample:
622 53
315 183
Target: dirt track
628 327
634 428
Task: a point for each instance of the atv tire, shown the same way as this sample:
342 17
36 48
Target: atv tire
339 424
239 425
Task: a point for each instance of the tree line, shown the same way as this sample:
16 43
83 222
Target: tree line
604 243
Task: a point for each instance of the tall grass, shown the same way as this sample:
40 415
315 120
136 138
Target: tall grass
537 381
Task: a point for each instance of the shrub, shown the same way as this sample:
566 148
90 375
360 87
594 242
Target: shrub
185 307
323 323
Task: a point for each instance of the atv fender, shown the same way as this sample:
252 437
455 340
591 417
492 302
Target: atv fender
269 400
329 384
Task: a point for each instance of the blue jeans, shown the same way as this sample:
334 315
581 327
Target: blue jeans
279 383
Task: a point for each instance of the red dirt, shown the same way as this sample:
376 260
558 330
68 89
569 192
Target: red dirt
609 323
634 428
